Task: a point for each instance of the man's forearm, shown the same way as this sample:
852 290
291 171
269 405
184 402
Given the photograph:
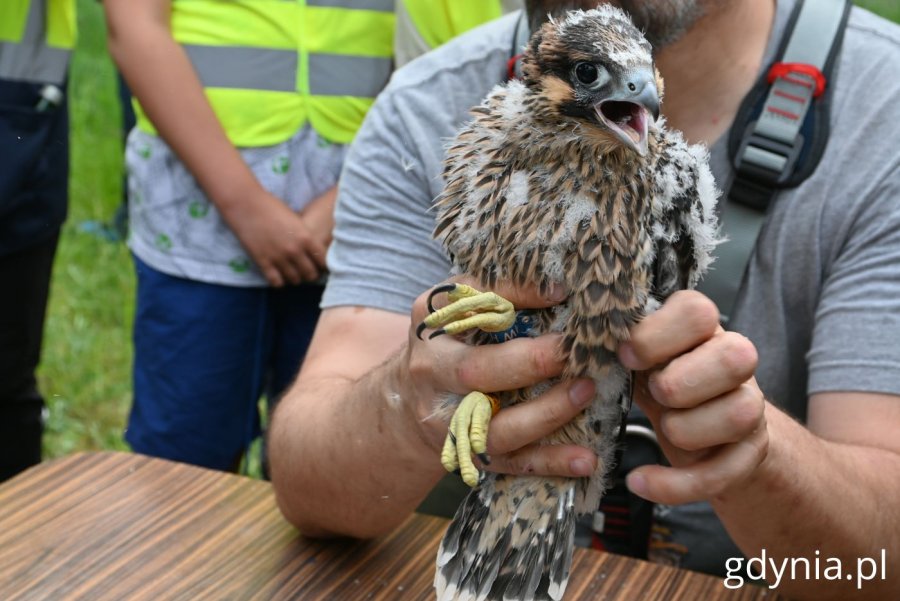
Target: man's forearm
813 495
334 426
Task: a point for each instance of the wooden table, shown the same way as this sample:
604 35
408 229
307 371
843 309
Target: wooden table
121 526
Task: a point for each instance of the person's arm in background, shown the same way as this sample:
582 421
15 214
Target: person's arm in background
161 76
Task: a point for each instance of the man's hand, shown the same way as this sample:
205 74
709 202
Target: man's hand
359 423
699 392
278 239
445 365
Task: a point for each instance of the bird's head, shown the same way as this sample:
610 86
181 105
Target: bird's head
594 67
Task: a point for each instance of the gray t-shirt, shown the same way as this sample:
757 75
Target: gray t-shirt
821 299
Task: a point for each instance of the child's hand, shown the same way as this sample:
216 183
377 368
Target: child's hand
279 240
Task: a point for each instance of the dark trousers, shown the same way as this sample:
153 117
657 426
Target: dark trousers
25 277
203 355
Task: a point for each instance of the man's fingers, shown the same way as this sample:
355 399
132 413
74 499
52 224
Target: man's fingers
704 479
641 395
685 320
447 364
724 420
654 411
522 424
523 297
546 460
719 365
497 367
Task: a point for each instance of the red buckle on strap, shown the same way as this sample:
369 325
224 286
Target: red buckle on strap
784 71
511 67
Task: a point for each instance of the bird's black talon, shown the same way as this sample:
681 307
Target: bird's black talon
452 437
419 329
437 333
484 458
438 290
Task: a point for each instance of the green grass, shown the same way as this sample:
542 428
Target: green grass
889 9
86 363
85 372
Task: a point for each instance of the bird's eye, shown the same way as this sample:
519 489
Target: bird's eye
587 73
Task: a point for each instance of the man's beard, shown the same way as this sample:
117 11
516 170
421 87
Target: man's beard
662 21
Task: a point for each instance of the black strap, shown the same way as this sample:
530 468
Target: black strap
787 110
623 521
778 137
520 39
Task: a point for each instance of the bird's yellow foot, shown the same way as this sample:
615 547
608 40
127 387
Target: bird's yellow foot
468 435
469 308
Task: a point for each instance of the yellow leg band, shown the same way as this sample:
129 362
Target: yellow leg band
495 404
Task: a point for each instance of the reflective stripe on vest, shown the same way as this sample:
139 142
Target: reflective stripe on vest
36 39
440 21
379 5
270 66
276 70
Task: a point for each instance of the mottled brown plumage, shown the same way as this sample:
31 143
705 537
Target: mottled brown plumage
561 182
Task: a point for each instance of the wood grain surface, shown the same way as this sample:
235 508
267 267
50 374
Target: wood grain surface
121 526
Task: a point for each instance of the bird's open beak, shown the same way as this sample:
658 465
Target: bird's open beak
628 111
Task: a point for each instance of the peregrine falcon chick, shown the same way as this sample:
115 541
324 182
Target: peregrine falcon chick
565 178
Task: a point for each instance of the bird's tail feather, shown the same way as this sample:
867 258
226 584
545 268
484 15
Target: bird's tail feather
511 539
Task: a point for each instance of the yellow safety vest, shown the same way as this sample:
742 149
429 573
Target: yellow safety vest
36 39
270 66
439 21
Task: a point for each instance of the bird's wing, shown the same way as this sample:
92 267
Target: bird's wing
476 177
685 228
505 208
